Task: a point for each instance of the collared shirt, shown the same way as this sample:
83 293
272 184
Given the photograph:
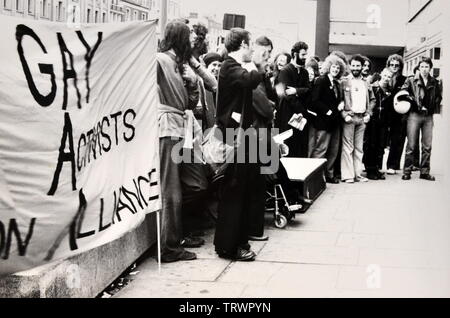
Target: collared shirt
359 96
334 85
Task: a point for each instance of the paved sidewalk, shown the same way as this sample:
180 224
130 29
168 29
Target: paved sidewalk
380 239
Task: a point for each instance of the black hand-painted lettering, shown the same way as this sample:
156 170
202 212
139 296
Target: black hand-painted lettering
43 100
89 56
65 156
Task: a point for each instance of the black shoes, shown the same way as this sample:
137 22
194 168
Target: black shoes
333 180
241 255
258 238
375 175
192 242
183 256
427 177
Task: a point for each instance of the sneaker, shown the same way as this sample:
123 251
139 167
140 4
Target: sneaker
192 242
406 177
391 172
361 179
349 181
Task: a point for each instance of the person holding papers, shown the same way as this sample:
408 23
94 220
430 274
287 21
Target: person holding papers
293 90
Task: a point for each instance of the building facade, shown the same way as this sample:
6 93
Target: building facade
425 34
79 11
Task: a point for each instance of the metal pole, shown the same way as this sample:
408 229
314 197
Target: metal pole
158 238
163 20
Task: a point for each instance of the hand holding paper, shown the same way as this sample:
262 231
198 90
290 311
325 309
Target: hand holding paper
298 122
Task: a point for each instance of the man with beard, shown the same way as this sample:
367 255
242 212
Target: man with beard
240 189
358 104
293 89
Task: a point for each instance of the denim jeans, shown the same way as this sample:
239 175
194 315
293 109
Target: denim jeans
352 148
419 123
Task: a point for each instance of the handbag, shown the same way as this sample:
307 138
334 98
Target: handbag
217 153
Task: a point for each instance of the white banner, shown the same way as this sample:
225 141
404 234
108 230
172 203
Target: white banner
79 163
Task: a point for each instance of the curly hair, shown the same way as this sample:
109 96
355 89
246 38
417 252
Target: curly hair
334 60
176 37
359 58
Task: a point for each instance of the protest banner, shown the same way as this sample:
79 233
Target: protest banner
79 164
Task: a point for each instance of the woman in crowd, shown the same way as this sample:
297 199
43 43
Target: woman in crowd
325 101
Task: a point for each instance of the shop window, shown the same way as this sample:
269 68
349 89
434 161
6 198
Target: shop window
436 72
437 53
7 4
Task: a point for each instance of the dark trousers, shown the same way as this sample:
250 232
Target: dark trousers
418 123
196 197
298 143
241 206
397 136
172 200
374 145
325 145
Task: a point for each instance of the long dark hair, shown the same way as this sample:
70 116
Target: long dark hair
177 37
200 46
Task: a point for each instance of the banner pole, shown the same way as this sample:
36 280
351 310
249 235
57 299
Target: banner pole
158 234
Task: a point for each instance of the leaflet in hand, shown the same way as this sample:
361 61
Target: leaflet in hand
298 122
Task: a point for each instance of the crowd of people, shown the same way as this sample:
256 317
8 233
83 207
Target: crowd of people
335 108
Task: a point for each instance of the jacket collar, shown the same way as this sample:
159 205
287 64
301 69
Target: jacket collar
418 78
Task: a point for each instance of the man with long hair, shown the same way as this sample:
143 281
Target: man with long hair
397 123
178 92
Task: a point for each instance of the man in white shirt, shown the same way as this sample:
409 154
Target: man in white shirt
358 103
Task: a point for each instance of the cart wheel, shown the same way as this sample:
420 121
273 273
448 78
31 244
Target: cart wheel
290 215
280 221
